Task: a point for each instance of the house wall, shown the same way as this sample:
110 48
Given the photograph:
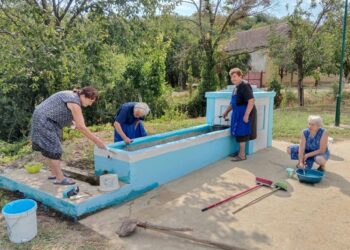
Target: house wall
261 62
258 60
272 73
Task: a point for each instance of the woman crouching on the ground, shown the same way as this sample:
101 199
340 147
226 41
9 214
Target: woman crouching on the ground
243 117
49 118
312 147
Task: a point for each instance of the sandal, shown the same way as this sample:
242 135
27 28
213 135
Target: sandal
234 154
51 177
238 158
320 169
65 181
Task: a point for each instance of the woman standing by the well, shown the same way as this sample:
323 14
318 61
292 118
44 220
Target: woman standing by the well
243 117
49 118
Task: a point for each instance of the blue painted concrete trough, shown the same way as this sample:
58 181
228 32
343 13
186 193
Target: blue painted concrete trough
164 157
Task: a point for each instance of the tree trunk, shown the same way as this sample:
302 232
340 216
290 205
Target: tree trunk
300 86
209 79
281 73
208 75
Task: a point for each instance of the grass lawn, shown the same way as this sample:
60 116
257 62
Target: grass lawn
289 123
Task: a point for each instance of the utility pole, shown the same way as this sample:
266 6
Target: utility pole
340 89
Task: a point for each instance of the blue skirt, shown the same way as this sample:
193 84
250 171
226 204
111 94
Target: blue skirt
243 131
294 155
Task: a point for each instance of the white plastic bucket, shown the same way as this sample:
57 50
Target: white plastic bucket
108 182
20 216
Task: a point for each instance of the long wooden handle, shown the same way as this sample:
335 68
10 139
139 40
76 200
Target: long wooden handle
232 197
255 200
192 238
164 228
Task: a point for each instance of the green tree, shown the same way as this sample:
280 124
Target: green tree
309 45
48 46
212 19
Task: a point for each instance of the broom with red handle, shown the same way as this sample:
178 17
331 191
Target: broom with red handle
259 183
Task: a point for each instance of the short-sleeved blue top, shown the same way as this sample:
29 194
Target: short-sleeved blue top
125 114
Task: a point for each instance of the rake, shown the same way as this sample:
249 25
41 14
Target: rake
129 226
260 182
278 186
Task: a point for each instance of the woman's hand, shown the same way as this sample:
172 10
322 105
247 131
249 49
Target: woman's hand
100 144
224 115
301 164
306 156
127 140
246 118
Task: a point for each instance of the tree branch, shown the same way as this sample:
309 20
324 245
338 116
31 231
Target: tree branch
33 2
44 4
8 33
228 19
190 20
200 18
77 13
320 16
193 3
216 9
56 11
210 12
7 15
65 10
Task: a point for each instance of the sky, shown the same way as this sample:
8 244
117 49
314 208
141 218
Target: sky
277 9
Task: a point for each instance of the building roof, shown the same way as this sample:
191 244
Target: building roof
254 39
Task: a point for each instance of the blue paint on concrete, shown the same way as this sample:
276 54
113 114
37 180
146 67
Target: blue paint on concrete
112 166
210 116
227 95
269 133
119 146
49 200
125 193
172 165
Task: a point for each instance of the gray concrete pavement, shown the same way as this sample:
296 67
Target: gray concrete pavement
305 217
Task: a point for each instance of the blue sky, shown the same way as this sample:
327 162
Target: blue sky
278 8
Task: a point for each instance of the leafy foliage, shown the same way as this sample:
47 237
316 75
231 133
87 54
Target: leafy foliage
277 87
48 51
309 45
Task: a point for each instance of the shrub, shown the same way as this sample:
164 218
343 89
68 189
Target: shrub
289 98
12 151
197 106
277 87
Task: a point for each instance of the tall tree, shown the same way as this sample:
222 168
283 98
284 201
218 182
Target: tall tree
48 46
309 45
212 20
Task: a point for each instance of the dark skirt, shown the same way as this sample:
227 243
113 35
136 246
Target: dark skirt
45 136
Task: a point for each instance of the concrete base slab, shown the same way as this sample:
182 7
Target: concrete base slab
305 217
40 181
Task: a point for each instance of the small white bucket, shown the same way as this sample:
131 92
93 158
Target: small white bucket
20 216
108 182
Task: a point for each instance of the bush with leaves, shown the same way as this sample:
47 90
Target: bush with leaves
276 86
